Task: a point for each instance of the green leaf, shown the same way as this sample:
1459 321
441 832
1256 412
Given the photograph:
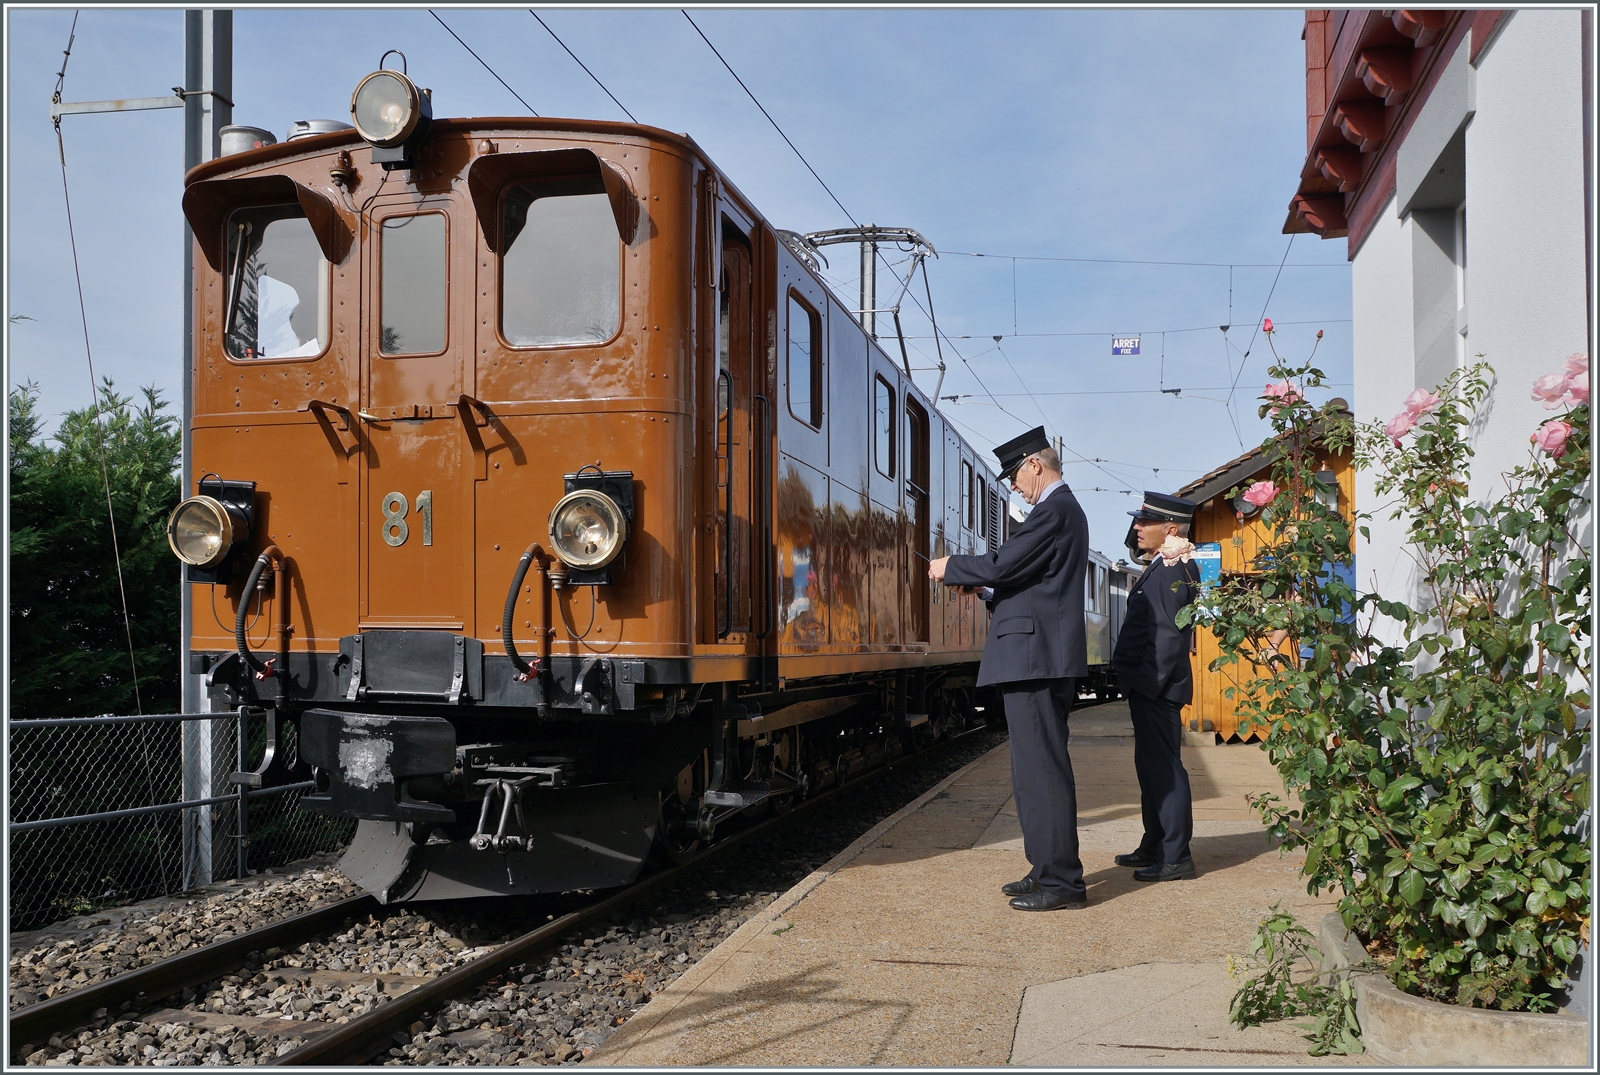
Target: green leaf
1474 918
1412 886
1565 948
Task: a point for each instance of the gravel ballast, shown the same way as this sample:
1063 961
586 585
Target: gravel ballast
553 1010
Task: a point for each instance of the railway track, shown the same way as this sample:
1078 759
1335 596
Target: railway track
392 1001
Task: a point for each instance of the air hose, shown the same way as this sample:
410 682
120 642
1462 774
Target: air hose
261 670
525 670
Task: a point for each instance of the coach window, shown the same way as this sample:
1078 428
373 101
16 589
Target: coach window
560 264
966 494
277 285
805 363
412 298
883 428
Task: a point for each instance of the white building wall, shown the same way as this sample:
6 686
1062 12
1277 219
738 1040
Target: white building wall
1380 287
1525 283
1525 225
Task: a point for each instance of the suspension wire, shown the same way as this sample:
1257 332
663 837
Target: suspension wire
94 389
1131 261
1251 345
1013 297
100 437
485 63
770 120
995 399
1133 332
583 65
1031 395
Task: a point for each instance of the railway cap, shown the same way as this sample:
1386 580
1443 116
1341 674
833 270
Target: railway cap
1165 508
1014 451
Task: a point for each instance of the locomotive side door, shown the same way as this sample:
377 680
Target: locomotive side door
735 545
417 489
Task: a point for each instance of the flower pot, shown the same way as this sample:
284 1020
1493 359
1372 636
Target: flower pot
1398 1028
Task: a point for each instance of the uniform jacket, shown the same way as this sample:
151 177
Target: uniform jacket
1152 655
1036 614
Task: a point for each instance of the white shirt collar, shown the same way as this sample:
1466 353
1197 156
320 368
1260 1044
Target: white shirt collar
1052 487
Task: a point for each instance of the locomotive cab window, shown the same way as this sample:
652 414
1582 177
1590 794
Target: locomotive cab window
883 425
561 264
805 363
414 276
277 285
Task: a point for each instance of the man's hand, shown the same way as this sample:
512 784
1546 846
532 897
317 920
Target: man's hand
936 568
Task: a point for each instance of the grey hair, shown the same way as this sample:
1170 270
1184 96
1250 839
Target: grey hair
1048 459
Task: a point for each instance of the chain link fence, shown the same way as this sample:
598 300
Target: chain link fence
108 810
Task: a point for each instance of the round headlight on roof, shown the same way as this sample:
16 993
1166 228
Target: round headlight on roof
386 108
587 529
201 530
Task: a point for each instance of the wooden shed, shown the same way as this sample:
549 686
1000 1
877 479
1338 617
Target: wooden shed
1238 529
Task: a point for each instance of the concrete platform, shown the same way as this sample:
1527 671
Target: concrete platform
902 951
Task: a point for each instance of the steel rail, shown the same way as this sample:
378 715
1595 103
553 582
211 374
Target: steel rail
37 1022
358 1040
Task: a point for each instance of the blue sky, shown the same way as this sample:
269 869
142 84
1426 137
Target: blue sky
1134 135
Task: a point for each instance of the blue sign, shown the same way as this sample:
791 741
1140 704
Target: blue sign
1208 556
1124 345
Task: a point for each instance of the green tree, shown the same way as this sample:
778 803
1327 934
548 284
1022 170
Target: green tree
69 644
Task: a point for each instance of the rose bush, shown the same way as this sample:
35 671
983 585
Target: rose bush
1432 744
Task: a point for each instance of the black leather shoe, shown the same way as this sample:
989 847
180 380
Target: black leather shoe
1167 871
1020 888
1136 859
1045 900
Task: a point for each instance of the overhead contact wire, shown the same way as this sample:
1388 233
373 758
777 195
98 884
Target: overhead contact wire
485 63
583 65
770 120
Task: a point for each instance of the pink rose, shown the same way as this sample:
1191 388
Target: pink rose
1578 386
1421 402
1266 325
1552 438
1551 388
1260 494
1282 393
1400 425
1577 363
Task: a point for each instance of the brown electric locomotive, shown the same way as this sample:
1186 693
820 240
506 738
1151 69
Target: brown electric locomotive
549 501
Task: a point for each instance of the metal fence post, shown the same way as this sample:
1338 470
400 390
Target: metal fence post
242 812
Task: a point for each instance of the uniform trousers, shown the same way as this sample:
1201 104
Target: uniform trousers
1163 781
1042 784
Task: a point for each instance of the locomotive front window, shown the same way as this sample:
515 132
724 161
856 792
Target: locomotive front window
412 304
560 264
277 285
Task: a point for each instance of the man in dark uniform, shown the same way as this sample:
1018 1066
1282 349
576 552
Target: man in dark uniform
1152 663
1033 585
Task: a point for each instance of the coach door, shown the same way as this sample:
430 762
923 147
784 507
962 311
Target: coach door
417 487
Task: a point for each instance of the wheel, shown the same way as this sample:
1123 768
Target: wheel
676 840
